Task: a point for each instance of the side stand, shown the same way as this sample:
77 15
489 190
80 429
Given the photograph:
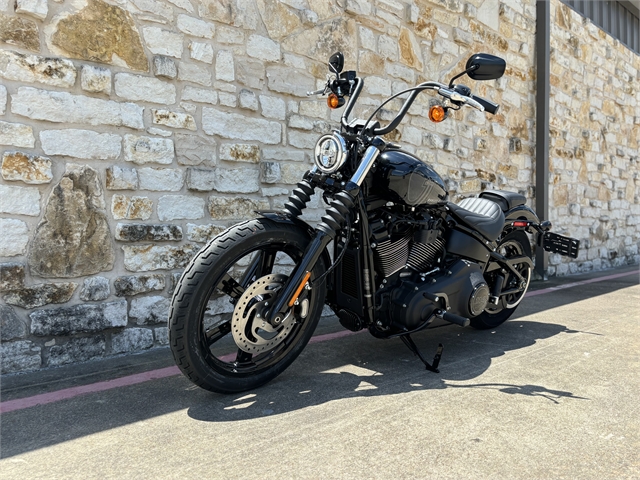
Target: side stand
432 367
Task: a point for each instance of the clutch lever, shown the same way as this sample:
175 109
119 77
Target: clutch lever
317 92
461 99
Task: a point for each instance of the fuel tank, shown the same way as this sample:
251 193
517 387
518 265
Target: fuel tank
403 178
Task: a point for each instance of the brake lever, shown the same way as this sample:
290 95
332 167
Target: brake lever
459 98
317 92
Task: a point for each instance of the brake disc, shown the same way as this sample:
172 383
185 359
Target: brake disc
252 333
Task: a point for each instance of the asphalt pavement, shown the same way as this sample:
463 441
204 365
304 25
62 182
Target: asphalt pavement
551 394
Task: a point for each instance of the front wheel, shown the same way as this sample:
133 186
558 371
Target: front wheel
217 337
512 245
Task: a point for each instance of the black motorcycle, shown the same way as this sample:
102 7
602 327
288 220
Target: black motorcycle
404 257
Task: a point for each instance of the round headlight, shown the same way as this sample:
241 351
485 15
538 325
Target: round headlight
331 153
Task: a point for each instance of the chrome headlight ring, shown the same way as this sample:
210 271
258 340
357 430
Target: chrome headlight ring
330 153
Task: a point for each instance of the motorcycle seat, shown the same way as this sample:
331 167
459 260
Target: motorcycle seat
506 200
480 214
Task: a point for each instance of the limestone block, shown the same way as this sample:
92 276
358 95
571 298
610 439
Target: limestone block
62 107
183 4
20 32
161 335
17 135
145 258
235 126
41 295
489 13
283 154
103 33
249 72
141 150
11 276
223 208
240 152
135 232
84 318
132 340
203 52
133 208
304 140
274 191
410 53
73 238
20 356
122 178
195 27
228 99
195 150
149 310
15 235
179 207
95 289
279 19
148 89
34 8
96 79
292 173
237 180
324 39
130 285
229 35
201 95
225 67
270 172
19 200
31 169
263 48
200 179
77 350
199 74
173 119
10 324
161 179
81 144
164 67
163 42
33 68
203 233
3 99
294 82
273 107
248 100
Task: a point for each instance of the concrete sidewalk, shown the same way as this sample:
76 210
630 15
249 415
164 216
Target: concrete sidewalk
550 394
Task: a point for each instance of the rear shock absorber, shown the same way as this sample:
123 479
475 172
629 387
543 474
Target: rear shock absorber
299 198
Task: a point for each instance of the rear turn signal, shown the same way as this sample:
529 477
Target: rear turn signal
334 101
437 113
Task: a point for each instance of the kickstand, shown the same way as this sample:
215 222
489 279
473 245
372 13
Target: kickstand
432 367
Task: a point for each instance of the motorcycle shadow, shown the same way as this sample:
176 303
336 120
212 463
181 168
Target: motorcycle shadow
362 366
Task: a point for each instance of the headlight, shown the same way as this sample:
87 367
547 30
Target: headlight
331 153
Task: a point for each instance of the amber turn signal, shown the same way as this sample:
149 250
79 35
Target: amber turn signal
334 101
437 113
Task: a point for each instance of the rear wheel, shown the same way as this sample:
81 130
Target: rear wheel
512 245
217 336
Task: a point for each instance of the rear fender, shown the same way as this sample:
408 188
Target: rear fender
521 212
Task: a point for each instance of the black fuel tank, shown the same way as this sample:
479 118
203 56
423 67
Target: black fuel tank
403 178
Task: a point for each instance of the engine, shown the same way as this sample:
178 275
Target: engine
409 258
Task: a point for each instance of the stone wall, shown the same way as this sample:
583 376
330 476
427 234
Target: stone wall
133 131
594 140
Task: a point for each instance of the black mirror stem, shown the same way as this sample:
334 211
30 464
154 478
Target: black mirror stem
470 69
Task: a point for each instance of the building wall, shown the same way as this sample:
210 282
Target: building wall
133 131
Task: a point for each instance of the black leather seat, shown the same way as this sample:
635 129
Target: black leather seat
481 215
506 200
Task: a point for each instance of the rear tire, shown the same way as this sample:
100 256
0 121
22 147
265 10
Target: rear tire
513 244
208 292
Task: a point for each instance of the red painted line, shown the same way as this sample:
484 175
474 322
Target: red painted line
577 284
68 393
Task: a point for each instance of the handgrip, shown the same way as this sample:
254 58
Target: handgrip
489 106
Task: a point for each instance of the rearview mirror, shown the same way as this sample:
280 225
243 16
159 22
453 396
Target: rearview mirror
483 66
336 62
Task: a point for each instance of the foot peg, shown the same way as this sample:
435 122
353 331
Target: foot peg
453 318
432 367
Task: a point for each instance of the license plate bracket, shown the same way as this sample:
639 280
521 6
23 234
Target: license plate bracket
554 243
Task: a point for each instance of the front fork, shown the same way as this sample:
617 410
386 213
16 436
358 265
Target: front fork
336 217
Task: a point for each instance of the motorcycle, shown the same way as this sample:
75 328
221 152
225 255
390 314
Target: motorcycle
404 257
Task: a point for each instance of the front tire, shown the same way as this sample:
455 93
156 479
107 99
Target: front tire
514 244
254 257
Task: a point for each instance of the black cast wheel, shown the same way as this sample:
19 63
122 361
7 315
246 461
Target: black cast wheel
512 245
216 333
